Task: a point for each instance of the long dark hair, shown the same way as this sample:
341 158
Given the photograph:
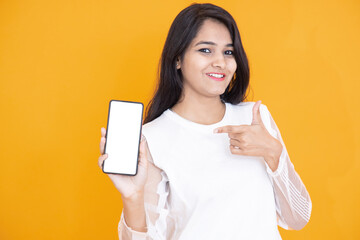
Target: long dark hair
182 31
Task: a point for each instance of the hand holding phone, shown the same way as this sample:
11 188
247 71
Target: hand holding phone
128 186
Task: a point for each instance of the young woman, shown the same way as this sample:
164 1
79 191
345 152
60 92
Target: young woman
211 165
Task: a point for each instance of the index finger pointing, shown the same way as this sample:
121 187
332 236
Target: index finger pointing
229 129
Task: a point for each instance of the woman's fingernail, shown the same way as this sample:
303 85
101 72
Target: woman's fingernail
216 130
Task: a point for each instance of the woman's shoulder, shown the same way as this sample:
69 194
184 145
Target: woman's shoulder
245 109
158 125
156 122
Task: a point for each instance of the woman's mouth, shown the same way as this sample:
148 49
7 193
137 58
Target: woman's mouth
216 76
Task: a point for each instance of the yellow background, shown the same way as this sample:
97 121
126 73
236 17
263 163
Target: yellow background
62 61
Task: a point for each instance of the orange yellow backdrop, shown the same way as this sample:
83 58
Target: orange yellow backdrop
62 61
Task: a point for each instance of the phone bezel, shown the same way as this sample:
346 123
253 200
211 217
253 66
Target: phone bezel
107 128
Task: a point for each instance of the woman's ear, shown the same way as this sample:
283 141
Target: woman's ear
178 66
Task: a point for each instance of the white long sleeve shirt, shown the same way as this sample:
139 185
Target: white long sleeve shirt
198 189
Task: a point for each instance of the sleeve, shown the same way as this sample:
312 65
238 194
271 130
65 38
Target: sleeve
160 225
293 203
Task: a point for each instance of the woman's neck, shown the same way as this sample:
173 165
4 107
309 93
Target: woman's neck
203 111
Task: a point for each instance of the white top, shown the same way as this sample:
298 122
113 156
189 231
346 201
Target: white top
198 189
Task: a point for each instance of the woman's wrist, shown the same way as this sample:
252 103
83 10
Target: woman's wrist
134 198
134 212
272 157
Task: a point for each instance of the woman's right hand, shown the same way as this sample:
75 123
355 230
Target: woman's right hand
129 186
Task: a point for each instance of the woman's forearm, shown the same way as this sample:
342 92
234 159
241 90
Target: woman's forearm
134 213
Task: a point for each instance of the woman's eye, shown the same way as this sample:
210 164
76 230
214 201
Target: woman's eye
205 50
229 52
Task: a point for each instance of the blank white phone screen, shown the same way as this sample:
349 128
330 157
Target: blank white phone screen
123 137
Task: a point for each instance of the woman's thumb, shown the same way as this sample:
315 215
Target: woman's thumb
143 151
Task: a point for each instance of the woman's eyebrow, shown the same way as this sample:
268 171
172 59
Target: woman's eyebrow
212 43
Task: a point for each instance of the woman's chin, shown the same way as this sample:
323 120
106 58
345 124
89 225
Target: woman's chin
217 93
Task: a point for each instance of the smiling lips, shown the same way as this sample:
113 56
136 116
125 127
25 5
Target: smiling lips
216 76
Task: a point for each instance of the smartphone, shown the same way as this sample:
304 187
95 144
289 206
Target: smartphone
123 135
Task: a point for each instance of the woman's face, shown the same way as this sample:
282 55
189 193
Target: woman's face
208 64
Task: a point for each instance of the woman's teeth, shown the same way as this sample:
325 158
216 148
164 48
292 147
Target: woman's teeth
216 75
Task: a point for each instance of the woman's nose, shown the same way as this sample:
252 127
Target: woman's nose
219 61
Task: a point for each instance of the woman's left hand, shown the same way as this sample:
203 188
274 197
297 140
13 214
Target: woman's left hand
254 140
